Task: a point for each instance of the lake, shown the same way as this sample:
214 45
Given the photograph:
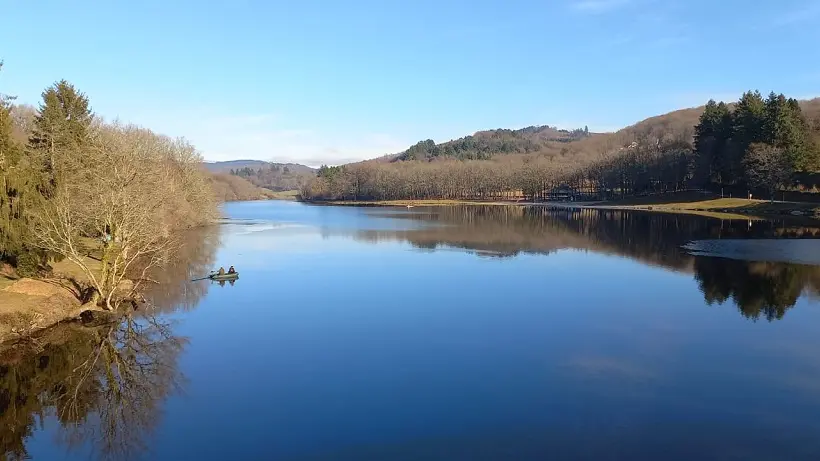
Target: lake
454 333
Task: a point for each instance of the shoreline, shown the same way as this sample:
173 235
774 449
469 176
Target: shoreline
30 306
739 209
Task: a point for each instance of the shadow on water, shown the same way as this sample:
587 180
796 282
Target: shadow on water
759 289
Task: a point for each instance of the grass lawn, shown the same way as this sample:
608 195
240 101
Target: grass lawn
721 205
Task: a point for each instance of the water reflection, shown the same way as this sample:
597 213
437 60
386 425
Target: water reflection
172 288
759 289
104 386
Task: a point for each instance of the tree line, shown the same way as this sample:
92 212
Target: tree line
753 143
107 196
487 144
276 177
758 142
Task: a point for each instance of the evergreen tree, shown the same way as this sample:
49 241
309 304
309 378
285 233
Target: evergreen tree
786 128
749 119
15 191
61 126
711 136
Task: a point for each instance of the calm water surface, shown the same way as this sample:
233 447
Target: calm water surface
463 333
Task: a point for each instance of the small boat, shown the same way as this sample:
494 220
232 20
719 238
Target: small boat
225 276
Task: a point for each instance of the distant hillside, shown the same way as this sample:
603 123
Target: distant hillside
226 167
654 156
229 188
485 144
273 176
575 145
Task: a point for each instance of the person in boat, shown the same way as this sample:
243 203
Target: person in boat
231 270
221 271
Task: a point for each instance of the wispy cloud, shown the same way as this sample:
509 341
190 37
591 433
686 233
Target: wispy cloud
266 137
599 6
804 12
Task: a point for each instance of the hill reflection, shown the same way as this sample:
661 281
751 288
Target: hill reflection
758 289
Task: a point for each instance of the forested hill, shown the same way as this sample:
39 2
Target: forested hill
236 165
229 188
273 176
485 144
579 144
765 143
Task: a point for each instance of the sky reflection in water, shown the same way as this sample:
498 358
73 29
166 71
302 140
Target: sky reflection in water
537 335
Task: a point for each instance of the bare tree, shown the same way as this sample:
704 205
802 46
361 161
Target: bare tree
116 196
767 166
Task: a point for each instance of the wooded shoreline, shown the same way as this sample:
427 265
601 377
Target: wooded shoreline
88 209
715 207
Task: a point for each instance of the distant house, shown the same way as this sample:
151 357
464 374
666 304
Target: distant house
562 193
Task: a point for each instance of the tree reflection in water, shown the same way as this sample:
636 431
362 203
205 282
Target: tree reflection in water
105 386
758 289
193 259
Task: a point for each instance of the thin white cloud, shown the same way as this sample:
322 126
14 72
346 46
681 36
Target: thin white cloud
266 137
599 6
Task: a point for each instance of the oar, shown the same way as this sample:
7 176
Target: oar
203 278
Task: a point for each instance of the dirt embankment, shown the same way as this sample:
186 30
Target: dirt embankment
28 305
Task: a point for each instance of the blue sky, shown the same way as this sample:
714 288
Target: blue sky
333 81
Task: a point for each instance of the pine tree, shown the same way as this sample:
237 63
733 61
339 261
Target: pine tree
61 126
15 191
749 119
712 133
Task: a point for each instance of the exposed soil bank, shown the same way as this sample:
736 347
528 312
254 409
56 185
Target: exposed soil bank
28 306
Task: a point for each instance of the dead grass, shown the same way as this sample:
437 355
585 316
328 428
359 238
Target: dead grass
718 207
31 306
69 270
28 305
